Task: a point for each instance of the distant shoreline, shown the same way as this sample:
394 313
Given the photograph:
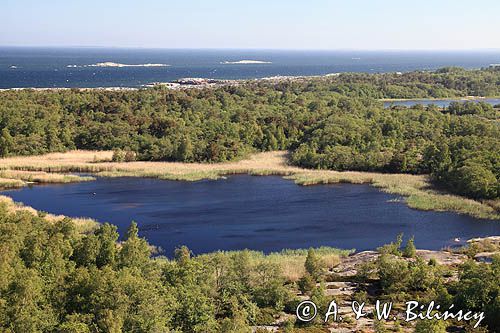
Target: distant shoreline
184 83
461 98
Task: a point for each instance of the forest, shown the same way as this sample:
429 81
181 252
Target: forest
336 122
56 279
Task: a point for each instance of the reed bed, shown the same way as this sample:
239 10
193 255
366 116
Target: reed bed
291 262
416 190
83 224
7 183
42 177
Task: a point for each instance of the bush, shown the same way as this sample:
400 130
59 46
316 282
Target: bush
410 250
430 326
118 155
393 247
130 156
306 284
265 317
393 274
314 265
476 181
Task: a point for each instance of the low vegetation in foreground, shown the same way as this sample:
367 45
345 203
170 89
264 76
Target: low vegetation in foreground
417 190
57 279
335 123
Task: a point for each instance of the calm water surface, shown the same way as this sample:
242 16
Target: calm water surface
262 213
442 103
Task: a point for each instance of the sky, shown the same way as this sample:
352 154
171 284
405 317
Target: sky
254 24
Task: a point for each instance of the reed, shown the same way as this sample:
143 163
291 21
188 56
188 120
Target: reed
290 262
7 183
82 224
42 177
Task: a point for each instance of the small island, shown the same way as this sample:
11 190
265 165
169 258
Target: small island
245 62
117 65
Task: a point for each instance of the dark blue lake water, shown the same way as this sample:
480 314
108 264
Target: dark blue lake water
262 213
48 67
442 103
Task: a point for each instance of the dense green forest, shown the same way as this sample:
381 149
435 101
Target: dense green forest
55 279
334 122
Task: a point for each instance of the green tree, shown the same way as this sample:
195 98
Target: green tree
107 236
410 251
135 251
182 255
476 181
6 142
306 284
314 265
185 150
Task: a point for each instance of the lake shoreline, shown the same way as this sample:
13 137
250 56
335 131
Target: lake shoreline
416 190
445 253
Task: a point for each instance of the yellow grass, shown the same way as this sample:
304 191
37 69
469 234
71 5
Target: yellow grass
292 265
83 224
291 262
40 177
416 190
6 183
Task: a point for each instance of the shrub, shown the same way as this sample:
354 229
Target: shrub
118 155
130 156
306 284
430 326
393 247
410 251
314 265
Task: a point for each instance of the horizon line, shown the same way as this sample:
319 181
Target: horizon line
252 48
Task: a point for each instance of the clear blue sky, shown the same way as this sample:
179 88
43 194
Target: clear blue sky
277 24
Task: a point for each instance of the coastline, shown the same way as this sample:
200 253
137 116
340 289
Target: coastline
416 190
208 83
460 98
185 83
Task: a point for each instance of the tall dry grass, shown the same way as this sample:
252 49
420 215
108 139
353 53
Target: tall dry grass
290 262
41 177
8 183
82 224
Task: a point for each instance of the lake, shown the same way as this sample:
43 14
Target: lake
442 103
261 213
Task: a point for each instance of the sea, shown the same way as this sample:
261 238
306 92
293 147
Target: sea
42 67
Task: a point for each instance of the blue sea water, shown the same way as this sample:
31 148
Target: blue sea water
48 67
